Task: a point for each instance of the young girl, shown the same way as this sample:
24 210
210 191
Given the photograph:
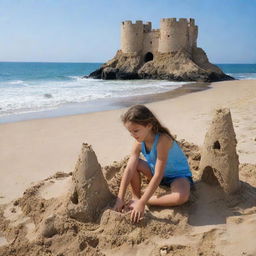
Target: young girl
166 164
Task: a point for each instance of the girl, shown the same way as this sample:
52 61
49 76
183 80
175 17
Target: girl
166 164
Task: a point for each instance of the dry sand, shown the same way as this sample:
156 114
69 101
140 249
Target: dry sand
210 224
34 150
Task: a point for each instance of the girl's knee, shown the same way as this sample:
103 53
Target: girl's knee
181 198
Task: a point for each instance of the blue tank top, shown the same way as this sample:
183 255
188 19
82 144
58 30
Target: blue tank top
176 165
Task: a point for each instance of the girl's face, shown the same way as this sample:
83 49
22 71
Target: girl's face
138 131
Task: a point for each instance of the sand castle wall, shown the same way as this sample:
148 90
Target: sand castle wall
219 160
173 35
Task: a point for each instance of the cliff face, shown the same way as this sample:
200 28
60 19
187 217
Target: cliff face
177 66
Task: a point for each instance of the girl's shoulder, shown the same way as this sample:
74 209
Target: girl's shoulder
136 149
164 141
165 137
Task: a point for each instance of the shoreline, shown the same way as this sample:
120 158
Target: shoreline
35 149
71 109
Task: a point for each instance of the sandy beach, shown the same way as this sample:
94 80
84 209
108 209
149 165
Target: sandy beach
34 150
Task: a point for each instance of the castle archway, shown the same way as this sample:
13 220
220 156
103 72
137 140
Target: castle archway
148 57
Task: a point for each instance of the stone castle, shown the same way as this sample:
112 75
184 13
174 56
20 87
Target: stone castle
169 53
173 35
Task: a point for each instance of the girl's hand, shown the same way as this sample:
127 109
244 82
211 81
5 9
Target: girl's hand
138 211
119 205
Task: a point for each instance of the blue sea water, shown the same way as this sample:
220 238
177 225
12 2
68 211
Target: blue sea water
50 87
239 71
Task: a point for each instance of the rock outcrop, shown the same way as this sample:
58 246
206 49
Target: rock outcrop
219 160
90 190
177 66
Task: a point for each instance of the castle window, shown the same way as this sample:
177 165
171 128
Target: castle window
168 35
150 42
148 57
216 145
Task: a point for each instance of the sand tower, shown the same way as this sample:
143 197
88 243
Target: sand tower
90 190
219 161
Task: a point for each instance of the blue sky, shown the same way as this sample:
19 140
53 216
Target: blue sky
89 31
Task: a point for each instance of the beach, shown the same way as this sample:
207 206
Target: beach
33 150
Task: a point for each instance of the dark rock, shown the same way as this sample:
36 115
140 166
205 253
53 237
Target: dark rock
47 95
109 73
97 74
174 66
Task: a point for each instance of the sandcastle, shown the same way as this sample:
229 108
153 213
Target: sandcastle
219 160
90 190
169 52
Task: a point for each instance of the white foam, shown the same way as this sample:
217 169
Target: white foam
243 76
16 82
31 98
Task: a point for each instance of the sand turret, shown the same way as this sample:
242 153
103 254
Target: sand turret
219 160
90 193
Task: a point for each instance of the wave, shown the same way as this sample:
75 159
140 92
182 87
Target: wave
243 76
50 94
12 83
16 82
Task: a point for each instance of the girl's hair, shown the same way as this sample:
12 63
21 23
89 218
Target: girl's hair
142 115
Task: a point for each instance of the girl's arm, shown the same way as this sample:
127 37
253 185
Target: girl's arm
163 147
127 176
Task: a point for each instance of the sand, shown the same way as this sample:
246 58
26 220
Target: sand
34 150
209 224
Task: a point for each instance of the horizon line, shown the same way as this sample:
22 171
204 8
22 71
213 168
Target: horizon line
76 62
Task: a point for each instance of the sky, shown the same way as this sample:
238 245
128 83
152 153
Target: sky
89 31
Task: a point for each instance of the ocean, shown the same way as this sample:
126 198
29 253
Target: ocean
39 90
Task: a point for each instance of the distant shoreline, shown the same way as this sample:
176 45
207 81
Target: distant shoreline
104 104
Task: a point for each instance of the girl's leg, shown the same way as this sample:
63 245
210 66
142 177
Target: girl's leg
142 167
180 191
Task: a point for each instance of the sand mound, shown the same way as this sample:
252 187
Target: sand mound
78 220
90 190
219 161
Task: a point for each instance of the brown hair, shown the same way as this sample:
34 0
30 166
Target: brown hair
142 115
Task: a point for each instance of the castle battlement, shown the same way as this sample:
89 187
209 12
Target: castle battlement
181 21
192 22
127 22
137 22
173 35
168 20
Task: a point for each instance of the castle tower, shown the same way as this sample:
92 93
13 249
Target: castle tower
132 36
90 190
192 34
173 35
219 161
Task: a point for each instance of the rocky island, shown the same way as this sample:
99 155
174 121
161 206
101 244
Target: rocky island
168 53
